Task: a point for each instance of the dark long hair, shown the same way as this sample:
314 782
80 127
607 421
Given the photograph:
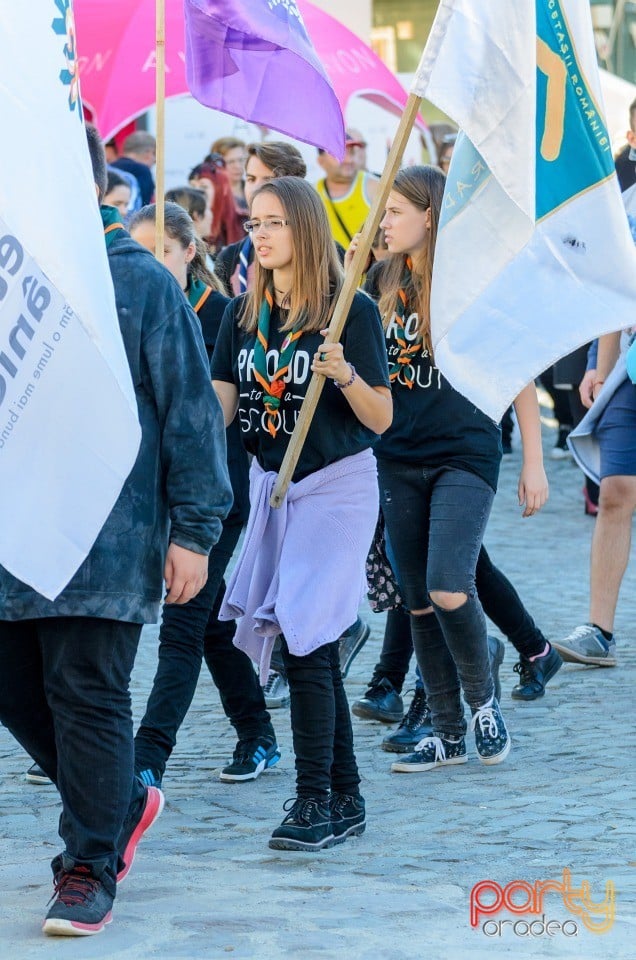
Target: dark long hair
180 227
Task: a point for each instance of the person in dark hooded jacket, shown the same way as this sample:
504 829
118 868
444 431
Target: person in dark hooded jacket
65 665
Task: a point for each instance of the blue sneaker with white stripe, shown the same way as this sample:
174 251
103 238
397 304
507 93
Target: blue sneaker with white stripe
149 778
251 758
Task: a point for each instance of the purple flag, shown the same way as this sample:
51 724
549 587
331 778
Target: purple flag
254 59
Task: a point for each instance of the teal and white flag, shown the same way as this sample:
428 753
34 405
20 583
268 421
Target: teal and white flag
534 255
69 432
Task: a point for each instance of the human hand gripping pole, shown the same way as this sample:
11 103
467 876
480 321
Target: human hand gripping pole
345 299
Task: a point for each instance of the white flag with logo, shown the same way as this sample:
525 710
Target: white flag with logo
69 432
534 255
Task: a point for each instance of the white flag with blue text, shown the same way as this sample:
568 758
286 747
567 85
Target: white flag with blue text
69 432
534 255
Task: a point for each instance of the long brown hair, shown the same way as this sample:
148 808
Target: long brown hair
180 227
316 272
422 186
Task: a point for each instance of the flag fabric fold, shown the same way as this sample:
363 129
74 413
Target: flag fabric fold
256 61
69 432
532 215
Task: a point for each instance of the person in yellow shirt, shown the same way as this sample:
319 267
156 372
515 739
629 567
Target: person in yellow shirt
346 190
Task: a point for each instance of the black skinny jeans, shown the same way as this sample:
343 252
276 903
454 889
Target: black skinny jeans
321 724
188 633
64 695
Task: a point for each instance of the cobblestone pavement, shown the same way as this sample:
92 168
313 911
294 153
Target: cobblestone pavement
205 884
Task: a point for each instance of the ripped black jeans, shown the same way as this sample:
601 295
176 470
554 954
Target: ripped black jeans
436 518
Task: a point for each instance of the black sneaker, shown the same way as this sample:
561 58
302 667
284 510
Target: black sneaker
496 653
348 816
83 905
534 674
380 702
351 643
307 826
416 725
251 758
35 774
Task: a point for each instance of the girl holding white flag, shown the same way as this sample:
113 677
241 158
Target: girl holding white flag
301 569
438 466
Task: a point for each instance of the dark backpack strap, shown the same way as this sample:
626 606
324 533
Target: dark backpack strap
348 235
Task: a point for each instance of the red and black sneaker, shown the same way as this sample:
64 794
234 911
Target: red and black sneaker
136 825
83 905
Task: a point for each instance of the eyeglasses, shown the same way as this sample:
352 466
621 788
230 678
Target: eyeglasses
269 226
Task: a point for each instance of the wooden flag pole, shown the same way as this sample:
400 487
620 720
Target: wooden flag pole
343 304
161 126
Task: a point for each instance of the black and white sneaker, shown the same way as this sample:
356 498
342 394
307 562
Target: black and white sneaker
251 758
307 826
491 737
276 691
83 905
430 753
348 816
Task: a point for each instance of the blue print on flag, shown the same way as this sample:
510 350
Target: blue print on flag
467 174
573 147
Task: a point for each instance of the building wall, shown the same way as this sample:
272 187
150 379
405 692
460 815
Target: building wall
357 15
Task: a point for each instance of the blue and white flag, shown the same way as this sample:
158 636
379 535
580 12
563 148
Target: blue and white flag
534 255
69 432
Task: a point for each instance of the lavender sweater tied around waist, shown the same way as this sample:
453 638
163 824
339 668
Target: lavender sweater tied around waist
301 571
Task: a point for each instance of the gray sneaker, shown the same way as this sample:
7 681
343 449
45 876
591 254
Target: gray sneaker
586 644
276 691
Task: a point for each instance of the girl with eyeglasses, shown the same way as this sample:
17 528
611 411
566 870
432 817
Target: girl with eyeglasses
301 570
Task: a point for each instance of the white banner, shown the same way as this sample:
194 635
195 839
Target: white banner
534 255
69 432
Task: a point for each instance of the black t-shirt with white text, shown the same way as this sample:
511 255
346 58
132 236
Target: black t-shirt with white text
433 424
335 431
210 314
